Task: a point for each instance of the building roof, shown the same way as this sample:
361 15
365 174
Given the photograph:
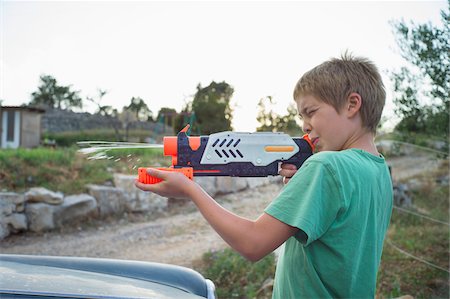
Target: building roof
28 108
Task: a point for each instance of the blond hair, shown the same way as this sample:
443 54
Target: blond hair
334 80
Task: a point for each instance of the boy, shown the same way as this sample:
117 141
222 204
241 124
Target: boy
333 214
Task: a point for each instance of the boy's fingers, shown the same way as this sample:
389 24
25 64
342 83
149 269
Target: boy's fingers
288 166
157 173
287 170
142 186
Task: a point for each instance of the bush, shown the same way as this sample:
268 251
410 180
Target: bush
65 170
71 138
234 276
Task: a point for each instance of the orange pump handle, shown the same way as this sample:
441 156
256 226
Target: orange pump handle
145 178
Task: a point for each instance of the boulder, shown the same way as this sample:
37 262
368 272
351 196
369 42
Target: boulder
110 200
4 230
40 216
6 208
40 194
148 202
16 222
402 195
75 207
226 184
11 198
138 200
257 182
208 184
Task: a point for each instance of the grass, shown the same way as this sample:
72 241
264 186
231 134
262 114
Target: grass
68 139
399 273
235 277
66 170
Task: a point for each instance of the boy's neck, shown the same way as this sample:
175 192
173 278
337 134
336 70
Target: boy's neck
364 141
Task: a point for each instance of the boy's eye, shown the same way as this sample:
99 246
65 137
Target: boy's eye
311 112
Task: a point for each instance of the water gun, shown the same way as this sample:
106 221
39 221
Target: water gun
258 154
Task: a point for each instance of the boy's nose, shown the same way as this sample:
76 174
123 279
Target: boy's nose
306 128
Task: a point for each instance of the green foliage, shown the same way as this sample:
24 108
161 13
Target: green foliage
66 170
400 274
22 168
71 138
53 95
211 106
270 121
427 49
167 116
140 108
234 276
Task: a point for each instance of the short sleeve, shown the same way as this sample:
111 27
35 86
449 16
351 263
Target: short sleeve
310 201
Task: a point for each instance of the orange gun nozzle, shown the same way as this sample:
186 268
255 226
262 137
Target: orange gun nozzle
306 137
145 178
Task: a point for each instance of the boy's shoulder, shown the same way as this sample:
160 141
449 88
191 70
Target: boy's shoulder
353 156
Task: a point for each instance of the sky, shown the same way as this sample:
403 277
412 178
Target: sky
161 51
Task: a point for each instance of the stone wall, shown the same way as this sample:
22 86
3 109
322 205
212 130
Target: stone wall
56 121
40 210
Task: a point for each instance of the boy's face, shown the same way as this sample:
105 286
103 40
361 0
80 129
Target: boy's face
326 128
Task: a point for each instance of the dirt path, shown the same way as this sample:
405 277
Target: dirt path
180 238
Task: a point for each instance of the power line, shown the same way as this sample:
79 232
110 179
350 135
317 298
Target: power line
416 146
420 215
416 258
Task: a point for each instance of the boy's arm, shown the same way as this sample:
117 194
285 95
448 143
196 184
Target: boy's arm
253 239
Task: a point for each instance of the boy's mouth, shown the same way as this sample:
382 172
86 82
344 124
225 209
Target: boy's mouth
314 141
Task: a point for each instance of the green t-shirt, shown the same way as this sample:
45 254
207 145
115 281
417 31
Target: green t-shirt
342 204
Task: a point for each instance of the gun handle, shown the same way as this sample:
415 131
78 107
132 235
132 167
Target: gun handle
145 178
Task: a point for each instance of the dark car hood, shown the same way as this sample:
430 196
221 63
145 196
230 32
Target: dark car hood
96 278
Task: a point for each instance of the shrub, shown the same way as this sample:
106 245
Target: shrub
234 276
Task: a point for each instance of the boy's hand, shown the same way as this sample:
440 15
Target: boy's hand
287 171
174 184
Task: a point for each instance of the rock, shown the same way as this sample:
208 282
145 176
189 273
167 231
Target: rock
148 201
6 208
402 197
4 230
40 216
17 222
110 200
10 221
13 198
40 194
138 200
75 207
225 185
257 182
208 184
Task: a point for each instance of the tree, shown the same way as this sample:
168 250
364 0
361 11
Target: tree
273 122
167 116
127 117
140 108
211 106
51 94
107 111
427 49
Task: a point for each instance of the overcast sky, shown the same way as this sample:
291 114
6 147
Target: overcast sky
160 51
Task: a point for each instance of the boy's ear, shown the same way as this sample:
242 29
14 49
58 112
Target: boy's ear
354 102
